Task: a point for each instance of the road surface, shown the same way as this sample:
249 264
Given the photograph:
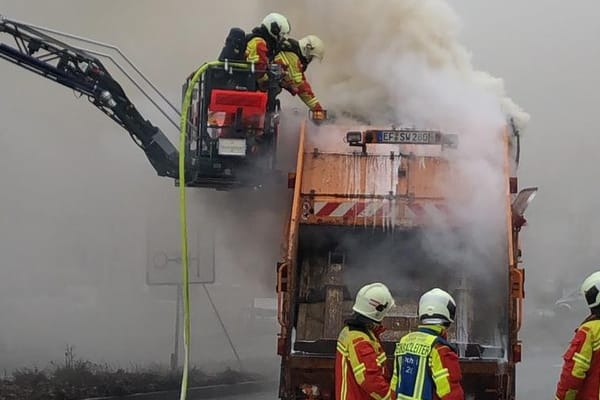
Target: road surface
268 395
536 377
538 373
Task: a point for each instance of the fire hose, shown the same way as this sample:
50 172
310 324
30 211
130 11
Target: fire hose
183 217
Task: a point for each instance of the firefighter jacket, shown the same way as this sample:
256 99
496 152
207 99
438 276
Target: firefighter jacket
360 365
260 49
426 367
580 376
294 64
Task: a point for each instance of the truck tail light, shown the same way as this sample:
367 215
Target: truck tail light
281 346
291 180
517 353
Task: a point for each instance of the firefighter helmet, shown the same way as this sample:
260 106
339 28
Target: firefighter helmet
373 301
312 46
590 289
437 307
277 25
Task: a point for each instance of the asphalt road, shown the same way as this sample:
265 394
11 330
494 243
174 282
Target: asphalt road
268 395
538 374
536 377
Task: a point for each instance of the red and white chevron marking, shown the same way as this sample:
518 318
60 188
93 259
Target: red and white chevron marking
418 213
346 209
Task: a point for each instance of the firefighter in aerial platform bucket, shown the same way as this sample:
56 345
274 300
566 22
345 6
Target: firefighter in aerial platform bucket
580 375
426 366
260 45
257 47
360 358
264 42
294 58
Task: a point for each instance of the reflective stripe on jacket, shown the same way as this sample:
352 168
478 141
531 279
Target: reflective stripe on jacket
580 375
360 367
295 81
257 52
426 367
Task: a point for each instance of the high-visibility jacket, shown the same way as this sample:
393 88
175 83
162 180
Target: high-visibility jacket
580 375
360 366
294 80
257 52
426 367
260 49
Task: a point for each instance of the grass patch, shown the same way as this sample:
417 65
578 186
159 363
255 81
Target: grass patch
76 379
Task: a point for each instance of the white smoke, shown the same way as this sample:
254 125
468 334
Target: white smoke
401 62
364 40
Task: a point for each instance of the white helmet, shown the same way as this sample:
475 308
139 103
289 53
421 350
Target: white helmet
277 25
437 307
373 301
312 46
590 289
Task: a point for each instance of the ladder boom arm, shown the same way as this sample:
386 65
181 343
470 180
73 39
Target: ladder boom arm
85 74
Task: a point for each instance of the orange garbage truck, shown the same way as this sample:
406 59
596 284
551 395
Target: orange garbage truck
385 205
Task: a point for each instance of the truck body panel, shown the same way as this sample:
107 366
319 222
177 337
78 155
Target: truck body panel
360 217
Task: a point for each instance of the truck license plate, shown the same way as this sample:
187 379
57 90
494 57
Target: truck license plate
416 137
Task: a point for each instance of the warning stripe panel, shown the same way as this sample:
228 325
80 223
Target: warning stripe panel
370 209
356 209
417 213
342 209
325 209
347 209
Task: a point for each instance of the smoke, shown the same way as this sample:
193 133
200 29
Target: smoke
546 51
365 40
73 224
401 62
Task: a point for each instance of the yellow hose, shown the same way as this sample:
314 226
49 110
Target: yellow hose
183 218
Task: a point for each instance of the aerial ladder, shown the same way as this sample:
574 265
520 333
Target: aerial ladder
219 154
228 127
85 74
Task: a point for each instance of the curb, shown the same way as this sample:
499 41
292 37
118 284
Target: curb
199 392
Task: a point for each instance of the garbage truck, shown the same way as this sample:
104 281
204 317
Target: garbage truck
381 205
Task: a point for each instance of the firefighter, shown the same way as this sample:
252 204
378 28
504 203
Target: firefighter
580 376
264 42
360 358
294 57
425 365
261 46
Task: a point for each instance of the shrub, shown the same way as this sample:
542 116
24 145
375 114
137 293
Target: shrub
76 379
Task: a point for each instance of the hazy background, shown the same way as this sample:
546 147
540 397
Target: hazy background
79 200
546 53
81 203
